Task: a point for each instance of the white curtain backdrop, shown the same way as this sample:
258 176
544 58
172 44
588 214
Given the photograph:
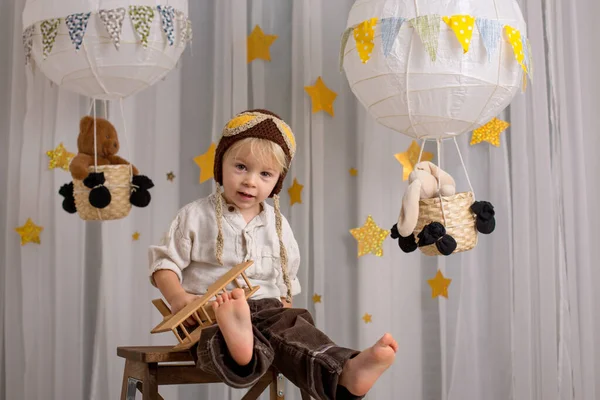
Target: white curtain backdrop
522 320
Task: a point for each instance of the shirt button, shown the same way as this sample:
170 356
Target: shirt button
231 208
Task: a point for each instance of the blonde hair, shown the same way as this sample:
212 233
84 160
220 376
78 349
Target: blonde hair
264 150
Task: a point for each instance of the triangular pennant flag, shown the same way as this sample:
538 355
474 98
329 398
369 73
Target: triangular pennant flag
364 34
462 25
530 64
514 38
189 32
389 30
49 30
142 17
113 21
77 24
490 31
182 27
167 14
28 43
525 51
345 37
428 28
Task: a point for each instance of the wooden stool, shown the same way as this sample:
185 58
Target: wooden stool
146 369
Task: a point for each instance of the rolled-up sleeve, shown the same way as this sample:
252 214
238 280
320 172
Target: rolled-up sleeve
293 257
174 251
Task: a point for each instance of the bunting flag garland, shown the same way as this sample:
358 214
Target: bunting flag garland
462 25
428 27
142 17
49 30
167 15
113 22
389 30
28 43
77 24
364 35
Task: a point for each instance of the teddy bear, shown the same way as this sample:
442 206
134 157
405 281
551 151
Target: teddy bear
427 181
107 144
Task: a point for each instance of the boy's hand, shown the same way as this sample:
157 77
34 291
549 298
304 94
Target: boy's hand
179 301
285 303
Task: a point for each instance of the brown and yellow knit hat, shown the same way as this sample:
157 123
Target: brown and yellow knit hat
260 124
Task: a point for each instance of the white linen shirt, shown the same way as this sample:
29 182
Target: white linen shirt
188 249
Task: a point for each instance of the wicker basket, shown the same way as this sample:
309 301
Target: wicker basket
459 220
118 181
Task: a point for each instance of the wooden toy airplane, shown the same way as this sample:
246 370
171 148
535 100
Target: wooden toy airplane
201 309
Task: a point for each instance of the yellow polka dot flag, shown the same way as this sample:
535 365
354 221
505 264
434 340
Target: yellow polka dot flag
364 35
462 25
514 38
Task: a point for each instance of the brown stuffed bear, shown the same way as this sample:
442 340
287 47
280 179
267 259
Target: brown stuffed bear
107 143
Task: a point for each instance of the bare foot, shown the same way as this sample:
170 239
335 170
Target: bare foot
361 372
233 317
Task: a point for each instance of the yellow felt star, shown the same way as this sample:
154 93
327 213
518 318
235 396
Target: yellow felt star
170 176
439 285
410 157
30 232
370 238
322 97
353 172
490 132
206 163
135 236
367 318
316 298
259 45
59 157
295 192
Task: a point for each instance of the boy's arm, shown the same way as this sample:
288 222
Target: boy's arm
167 282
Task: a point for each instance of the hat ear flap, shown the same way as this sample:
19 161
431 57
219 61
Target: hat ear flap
409 213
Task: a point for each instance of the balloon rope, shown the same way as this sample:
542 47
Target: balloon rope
125 137
95 139
439 171
464 168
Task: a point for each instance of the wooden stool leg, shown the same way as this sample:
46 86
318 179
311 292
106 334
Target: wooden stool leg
126 374
150 385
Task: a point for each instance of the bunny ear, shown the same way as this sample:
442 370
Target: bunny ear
409 214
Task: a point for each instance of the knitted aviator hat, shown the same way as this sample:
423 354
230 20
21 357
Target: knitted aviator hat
260 124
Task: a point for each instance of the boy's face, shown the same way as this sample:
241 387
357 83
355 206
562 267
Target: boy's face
248 180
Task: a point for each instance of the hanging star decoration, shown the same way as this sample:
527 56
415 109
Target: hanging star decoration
206 163
59 157
170 176
370 238
135 236
489 132
316 298
353 172
322 97
410 157
439 285
295 192
30 232
259 45
367 318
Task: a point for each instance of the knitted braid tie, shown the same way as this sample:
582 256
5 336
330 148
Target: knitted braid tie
219 210
282 251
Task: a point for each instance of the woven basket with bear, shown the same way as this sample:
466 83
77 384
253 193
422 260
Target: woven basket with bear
458 219
118 182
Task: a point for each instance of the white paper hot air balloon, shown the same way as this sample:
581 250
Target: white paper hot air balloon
105 49
435 68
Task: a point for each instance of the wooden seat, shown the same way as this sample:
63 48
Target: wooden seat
146 368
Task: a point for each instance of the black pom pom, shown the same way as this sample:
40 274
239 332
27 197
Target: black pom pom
486 221
68 203
140 197
394 234
94 179
435 233
407 244
100 197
